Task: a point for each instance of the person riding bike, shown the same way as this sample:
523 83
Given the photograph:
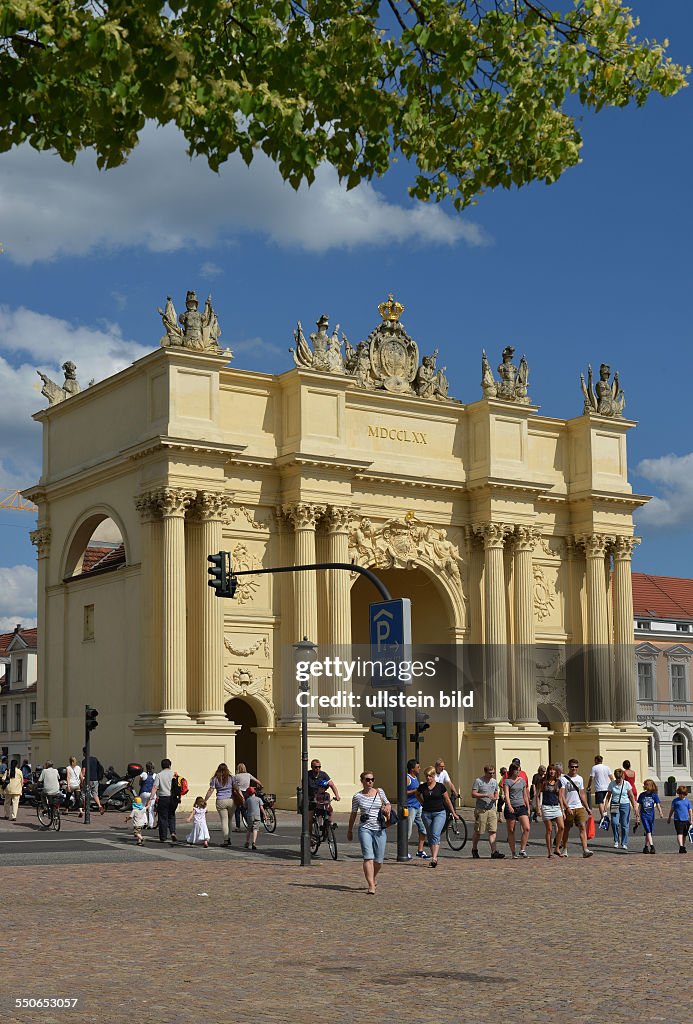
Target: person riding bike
319 782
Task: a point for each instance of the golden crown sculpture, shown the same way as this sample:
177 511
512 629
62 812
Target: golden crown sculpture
390 310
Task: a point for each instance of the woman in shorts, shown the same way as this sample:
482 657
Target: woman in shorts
516 809
367 805
549 805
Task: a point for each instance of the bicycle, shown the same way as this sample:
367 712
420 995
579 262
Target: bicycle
48 811
455 832
268 802
323 831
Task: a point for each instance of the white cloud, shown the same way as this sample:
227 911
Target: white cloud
17 597
44 342
210 269
674 507
257 345
164 201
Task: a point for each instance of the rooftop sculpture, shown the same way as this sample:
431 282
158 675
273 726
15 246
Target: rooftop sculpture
387 360
198 331
54 392
512 386
605 398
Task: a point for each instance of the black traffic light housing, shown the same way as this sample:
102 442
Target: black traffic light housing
221 575
420 726
386 727
90 716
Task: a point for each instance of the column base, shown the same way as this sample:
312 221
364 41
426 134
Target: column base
195 749
339 747
498 743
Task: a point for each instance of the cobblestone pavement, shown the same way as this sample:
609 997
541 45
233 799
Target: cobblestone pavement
267 941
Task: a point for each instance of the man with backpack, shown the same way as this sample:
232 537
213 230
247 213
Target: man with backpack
167 791
96 773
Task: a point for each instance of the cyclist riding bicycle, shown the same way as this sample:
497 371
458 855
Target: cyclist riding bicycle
50 780
319 783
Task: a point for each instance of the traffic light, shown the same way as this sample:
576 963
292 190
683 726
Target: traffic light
218 573
386 727
420 726
90 716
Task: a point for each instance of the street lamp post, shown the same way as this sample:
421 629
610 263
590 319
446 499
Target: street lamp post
304 651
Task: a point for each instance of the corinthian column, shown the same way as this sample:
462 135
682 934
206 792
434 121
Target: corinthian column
304 516
625 688
151 604
205 610
173 504
495 631
336 524
597 628
525 709
41 538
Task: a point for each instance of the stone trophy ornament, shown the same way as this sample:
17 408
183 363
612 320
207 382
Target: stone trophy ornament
387 360
198 331
54 392
606 397
326 353
512 386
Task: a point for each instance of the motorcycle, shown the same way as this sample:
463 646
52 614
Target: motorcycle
116 795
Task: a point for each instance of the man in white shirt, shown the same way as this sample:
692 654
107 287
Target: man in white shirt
50 780
577 808
601 776
442 776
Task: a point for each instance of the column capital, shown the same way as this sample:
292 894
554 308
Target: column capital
171 502
303 515
524 538
41 539
623 548
596 545
336 519
493 534
209 506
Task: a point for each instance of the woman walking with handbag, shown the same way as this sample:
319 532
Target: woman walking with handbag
549 806
13 790
435 804
222 783
373 810
620 799
74 784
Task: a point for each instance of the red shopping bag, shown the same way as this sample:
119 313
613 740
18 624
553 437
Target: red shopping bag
591 827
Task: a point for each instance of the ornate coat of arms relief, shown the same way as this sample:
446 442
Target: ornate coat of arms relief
402 543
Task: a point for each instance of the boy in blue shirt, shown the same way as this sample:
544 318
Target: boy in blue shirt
682 810
648 800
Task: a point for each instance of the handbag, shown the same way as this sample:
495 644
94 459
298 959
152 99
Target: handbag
604 824
382 820
591 828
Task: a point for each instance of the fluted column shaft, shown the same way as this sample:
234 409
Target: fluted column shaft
496 630
598 629
206 612
304 517
525 709
289 709
151 603
173 504
41 538
336 522
625 689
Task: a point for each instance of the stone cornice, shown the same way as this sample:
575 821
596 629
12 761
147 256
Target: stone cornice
596 497
491 484
323 461
163 442
410 480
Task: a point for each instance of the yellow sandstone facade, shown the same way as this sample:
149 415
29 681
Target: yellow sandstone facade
500 525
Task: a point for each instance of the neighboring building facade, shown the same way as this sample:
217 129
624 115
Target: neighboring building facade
663 609
500 524
18 699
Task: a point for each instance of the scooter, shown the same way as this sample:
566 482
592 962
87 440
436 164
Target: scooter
117 795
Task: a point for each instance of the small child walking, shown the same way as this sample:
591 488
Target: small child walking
199 816
682 810
139 819
648 799
254 815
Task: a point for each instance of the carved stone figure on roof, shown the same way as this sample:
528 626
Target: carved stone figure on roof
199 331
326 353
429 382
606 398
512 386
54 392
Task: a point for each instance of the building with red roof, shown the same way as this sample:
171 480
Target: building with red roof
18 698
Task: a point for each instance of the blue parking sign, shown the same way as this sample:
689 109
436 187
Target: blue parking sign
390 630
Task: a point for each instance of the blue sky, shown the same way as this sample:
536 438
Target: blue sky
594 268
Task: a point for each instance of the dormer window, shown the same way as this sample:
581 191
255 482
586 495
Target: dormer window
643 624
682 627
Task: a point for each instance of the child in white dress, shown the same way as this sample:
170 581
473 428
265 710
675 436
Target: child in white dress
199 816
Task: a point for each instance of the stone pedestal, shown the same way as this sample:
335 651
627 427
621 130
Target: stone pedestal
339 747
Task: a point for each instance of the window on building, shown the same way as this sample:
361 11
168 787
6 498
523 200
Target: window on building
20 670
32 711
88 632
3 718
678 682
645 681
650 750
643 624
18 718
682 627
678 745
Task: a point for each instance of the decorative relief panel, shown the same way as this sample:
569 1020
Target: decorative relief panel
550 678
237 512
246 651
544 591
244 683
242 560
401 543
